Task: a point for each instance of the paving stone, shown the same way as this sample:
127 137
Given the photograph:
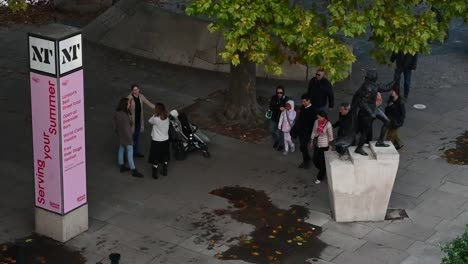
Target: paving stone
136 223
101 212
339 240
421 249
388 239
354 258
421 178
330 252
131 255
318 219
171 235
442 238
409 189
382 253
459 176
400 201
410 230
94 225
461 219
353 229
423 219
455 188
421 260
444 198
317 261
436 208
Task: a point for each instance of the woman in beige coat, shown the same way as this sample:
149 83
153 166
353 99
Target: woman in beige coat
136 113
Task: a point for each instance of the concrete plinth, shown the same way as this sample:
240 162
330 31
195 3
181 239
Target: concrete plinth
61 227
360 186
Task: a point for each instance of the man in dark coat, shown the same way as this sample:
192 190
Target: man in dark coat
277 104
405 63
344 120
321 92
304 126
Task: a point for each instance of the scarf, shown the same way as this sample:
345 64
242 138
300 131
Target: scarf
321 125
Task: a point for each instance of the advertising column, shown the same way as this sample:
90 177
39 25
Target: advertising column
57 105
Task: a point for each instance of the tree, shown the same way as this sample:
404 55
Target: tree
270 32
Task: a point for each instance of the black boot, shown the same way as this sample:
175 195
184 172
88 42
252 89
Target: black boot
164 169
381 143
137 174
114 258
155 172
124 168
359 150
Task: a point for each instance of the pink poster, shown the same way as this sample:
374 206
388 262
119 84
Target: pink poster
73 141
46 131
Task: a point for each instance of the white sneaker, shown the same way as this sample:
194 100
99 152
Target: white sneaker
317 182
293 149
285 152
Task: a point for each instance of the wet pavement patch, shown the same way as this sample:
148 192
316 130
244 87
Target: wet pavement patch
38 250
459 154
280 236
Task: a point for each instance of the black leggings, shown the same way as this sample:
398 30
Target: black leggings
319 162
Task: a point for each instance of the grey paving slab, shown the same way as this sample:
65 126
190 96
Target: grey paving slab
459 176
461 219
382 253
409 189
171 235
423 219
136 223
400 201
354 258
439 209
410 230
356 230
318 219
455 188
340 240
444 198
330 252
381 237
421 249
130 255
420 260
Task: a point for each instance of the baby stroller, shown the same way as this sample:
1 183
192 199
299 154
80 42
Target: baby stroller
186 137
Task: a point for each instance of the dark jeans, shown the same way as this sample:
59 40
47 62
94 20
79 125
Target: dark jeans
407 80
304 147
365 129
136 138
319 162
276 134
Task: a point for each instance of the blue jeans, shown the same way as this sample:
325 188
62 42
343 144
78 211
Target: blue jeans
407 80
136 138
120 156
276 134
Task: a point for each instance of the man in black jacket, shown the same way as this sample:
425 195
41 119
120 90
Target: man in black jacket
405 63
305 124
320 92
344 120
277 104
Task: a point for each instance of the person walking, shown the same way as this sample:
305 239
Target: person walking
303 128
286 122
123 127
136 113
320 92
405 63
277 104
396 112
159 151
322 135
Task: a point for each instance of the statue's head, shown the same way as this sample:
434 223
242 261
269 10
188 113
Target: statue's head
371 75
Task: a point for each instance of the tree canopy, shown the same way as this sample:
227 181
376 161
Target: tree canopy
271 31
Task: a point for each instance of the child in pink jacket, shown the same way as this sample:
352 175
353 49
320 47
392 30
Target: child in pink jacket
285 124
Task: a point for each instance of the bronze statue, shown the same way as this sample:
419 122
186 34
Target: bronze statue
364 110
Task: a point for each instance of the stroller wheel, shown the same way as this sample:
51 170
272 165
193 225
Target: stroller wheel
206 154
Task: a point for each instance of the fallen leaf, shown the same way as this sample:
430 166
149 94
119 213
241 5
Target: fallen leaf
255 253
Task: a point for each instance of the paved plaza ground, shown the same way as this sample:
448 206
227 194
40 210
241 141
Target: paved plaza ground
152 221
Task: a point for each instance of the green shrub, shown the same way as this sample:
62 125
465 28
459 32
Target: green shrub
457 250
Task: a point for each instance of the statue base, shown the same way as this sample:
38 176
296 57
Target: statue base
360 186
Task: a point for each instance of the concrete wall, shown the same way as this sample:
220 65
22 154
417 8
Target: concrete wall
144 29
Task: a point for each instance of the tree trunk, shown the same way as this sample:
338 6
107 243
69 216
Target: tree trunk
241 100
